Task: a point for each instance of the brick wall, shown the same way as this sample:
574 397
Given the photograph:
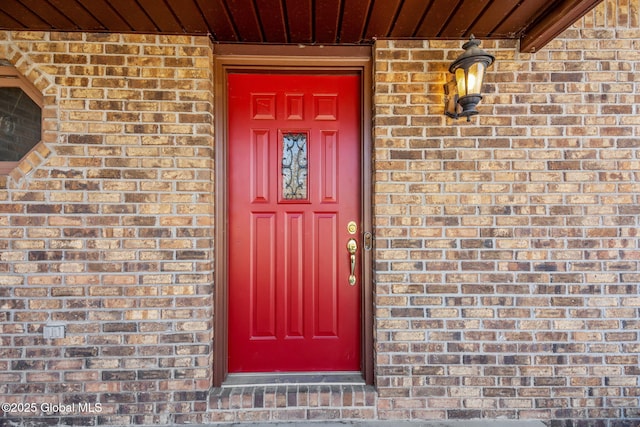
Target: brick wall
112 234
506 248
506 260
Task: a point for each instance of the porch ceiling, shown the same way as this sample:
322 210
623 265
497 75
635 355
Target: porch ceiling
533 22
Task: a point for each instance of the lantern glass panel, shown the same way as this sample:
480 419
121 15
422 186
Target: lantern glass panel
474 78
462 82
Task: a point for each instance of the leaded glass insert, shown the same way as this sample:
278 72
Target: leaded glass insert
294 166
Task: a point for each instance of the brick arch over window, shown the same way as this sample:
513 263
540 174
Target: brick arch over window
37 85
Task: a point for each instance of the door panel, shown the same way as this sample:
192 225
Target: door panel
294 274
259 171
263 276
329 158
294 185
326 276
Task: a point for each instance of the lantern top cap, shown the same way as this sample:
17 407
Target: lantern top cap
472 54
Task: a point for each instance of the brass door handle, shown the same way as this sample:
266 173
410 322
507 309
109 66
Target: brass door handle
352 247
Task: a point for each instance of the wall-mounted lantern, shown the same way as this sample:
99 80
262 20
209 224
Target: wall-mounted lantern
464 92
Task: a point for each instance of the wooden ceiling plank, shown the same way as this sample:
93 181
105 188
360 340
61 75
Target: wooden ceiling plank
551 25
189 16
354 17
48 13
327 18
7 21
492 16
246 21
436 18
525 13
106 15
381 19
462 20
77 14
161 16
272 17
299 14
535 22
409 18
135 17
218 20
25 16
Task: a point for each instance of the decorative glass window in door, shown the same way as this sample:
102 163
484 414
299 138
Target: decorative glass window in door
294 166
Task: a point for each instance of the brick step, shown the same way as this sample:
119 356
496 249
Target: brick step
292 402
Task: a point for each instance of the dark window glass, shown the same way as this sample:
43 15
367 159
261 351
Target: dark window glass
20 124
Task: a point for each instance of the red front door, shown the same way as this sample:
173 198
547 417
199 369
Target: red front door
294 189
